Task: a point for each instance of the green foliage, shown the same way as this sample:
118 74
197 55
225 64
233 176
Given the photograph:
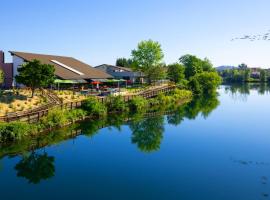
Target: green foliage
58 118
205 82
116 104
193 65
176 72
36 75
138 103
243 74
123 62
75 115
195 85
243 66
263 75
93 107
1 76
55 118
148 59
15 131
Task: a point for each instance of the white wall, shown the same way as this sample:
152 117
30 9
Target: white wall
17 62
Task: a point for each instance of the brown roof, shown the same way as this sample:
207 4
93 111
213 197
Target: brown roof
123 68
74 65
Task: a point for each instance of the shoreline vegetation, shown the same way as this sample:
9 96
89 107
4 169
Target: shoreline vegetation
92 109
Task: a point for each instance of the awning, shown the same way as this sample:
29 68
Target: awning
116 80
69 81
99 80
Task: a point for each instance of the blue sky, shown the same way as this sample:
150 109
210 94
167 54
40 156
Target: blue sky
99 31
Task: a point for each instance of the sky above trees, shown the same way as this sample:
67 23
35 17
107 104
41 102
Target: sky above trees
100 31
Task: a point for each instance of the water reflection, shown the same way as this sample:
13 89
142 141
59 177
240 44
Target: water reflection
36 167
148 133
147 129
242 91
203 105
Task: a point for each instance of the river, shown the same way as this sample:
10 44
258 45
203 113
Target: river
211 148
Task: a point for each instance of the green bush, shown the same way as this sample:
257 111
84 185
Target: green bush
93 107
181 94
55 118
15 131
138 103
116 104
74 115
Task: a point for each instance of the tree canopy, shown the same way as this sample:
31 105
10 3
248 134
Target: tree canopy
201 75
124 62
36 75
148 59
176 72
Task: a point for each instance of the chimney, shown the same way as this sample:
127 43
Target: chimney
2 57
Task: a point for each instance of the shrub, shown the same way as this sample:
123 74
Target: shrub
15 130
93 107
55 118
181 94
138 103
116 104
75 115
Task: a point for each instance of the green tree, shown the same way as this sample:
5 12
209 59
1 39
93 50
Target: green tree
123 62
263 75
242 66
193 65
176 72
207 82
148 58
246 74
36 75
36 167
207 66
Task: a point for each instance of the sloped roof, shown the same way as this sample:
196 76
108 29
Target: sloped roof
123 68
65 67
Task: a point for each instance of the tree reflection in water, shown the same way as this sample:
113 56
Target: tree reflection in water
201 105
36 167
148 133
242 91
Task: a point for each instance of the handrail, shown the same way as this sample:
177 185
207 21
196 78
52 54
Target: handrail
37 113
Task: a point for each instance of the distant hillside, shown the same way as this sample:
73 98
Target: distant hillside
222 68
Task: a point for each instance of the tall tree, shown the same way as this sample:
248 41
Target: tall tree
123 62
263 75
243 66
207 66
246 74
148 58
35 75
193 65
176 72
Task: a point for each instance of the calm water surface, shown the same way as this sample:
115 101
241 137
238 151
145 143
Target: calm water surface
216 148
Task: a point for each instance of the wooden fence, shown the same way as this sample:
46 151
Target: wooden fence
36 114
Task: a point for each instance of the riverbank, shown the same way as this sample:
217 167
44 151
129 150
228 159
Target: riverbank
91 108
